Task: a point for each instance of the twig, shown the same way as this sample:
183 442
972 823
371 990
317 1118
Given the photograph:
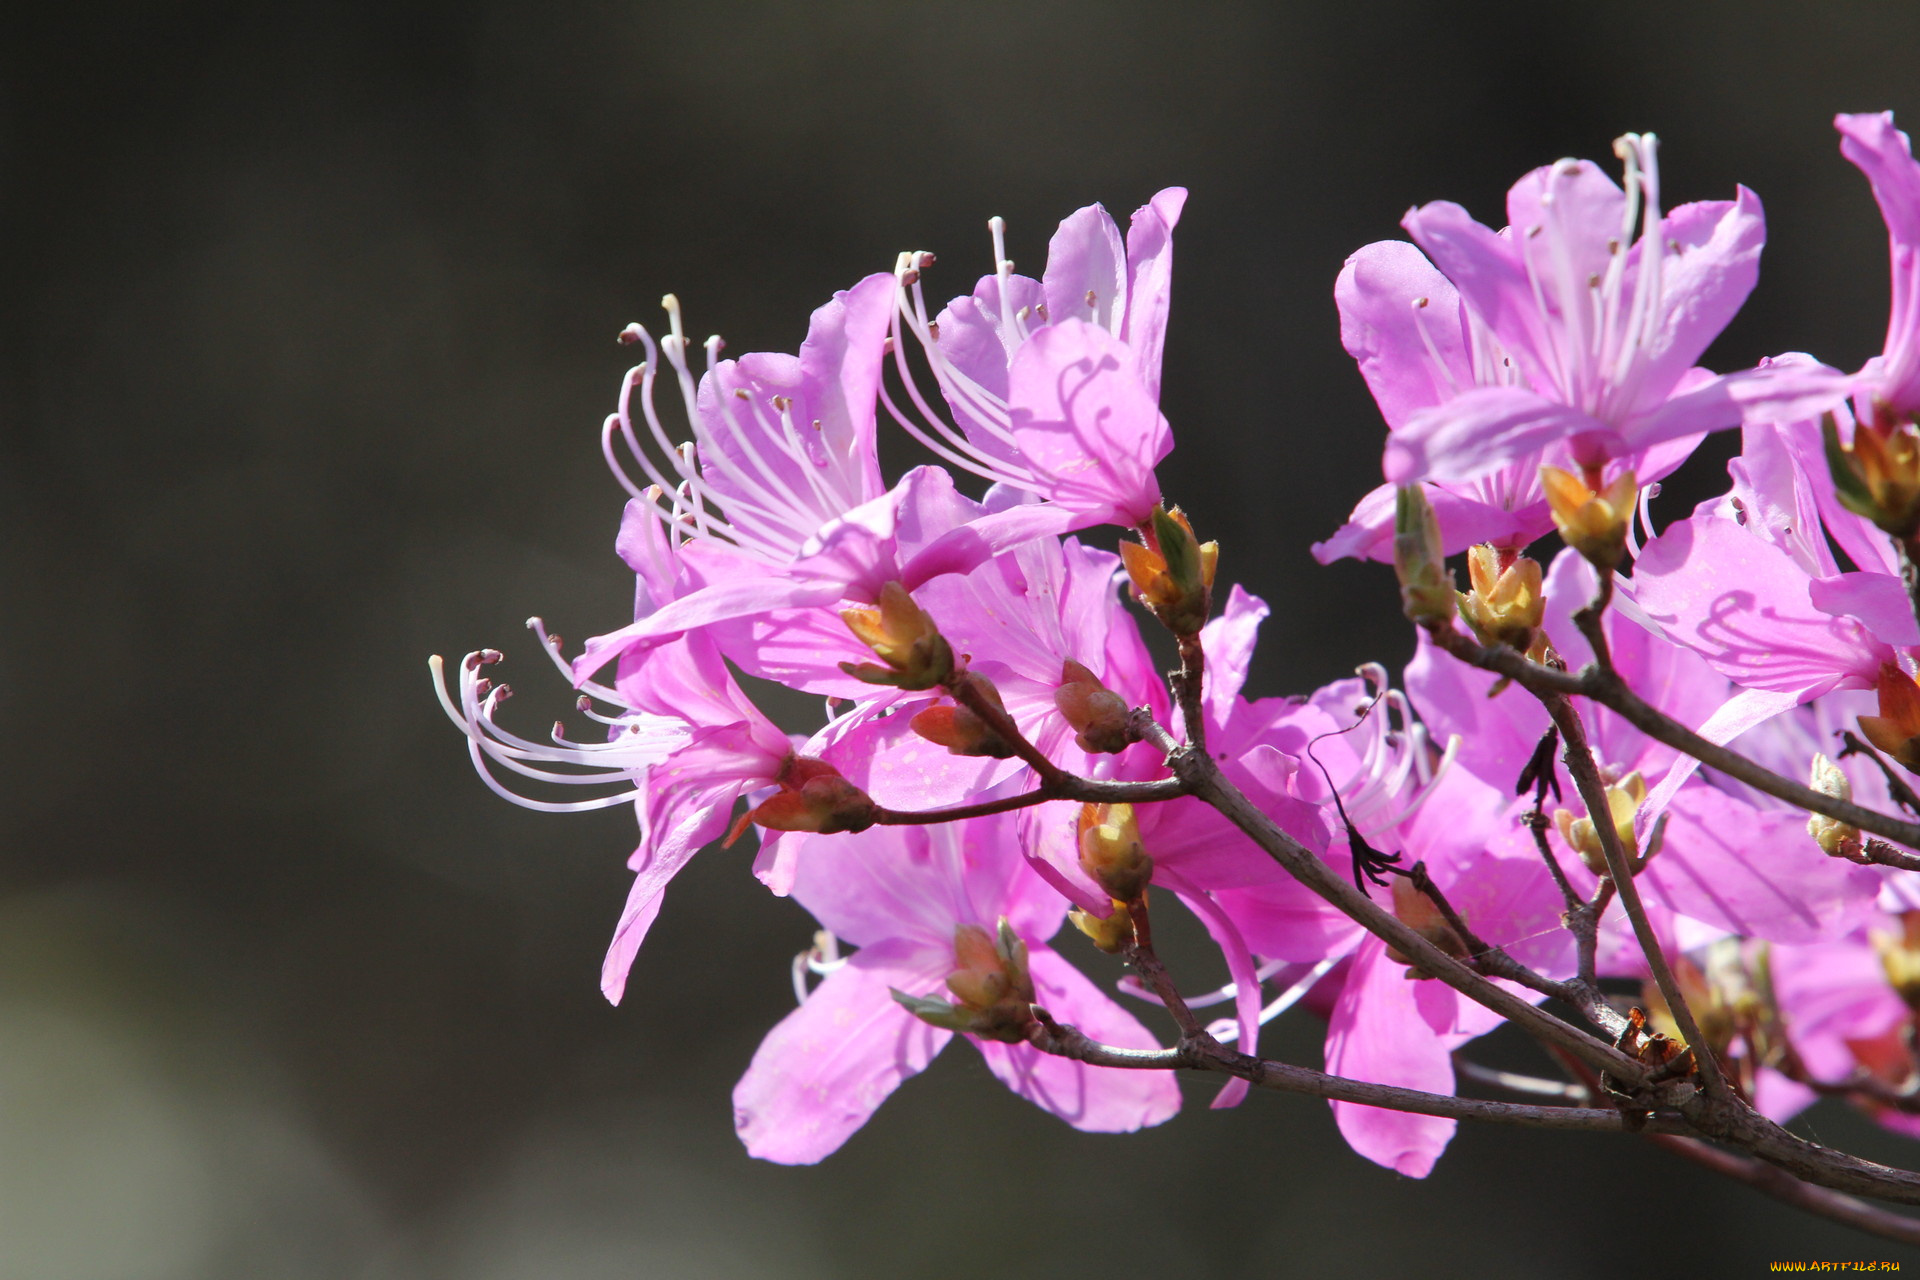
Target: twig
1610 691
1066 787
1069 1042
1903 794
1209 784
1785 1187
1586 776
1188 684
1146 962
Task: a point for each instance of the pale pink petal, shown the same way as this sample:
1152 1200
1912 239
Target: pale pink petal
1086 426
1711 265
1228 641
1742 604
1754 872
1480 429
1150 282
830 1063
1092 1099
1086 277
636 918
1877 599
1378 1034
1464 520
1397 313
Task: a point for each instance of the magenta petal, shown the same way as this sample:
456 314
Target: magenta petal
1884 154
1713 264
1378 1034
830 1063
1086 426
1092 1099
1478 430
1742 604
1396 313
1877 599
1150 282
1228 641
722 602
1086 277
1754 872
1368 532
636 918
1772 393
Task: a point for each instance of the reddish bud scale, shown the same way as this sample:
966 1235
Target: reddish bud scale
1098 715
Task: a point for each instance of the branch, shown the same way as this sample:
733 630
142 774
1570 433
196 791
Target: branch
1607 689
1586 776
1063 787
1205 780
1063 1041
1784 1187
1896 785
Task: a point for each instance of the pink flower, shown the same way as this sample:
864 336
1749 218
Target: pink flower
1419 347
900 894
1891 380
1605 331
779 496
1055 383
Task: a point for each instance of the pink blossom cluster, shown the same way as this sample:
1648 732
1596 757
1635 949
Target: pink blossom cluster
973 649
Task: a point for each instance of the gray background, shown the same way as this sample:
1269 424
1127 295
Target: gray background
306 334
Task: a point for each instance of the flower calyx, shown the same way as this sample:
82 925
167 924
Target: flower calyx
1878 475
1836 839
814 797
1900 957
991 985
1896 730
1421 914
1427 590
1099 716
1172 572
1112 933
1507 600
1594 523
959 728
913 654
1624 799
1111 853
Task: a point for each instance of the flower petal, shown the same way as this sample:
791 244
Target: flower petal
1092 1099
830 1063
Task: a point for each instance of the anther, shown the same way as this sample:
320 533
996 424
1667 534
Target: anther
629 335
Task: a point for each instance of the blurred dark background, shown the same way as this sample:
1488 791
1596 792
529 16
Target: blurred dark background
307 333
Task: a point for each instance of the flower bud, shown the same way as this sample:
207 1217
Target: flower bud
990 982
1112 934
915 654
1831 834
959 729
812 797
1624 799
1098 715
1878 475
1418 912
1896 730
1172 573
1507 603
1593 524
1110 851
1426 588
1900 958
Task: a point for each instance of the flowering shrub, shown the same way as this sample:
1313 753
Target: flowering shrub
1521 816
